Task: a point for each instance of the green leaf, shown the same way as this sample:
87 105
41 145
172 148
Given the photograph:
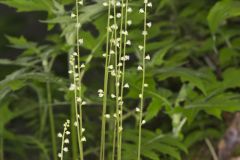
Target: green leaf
153 108
221 11
158 56
5 114
28 5
195 78
199 135
214 106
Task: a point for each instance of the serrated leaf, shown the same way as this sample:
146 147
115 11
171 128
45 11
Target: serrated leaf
221 11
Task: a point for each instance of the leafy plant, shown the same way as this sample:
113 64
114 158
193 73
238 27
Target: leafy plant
153 88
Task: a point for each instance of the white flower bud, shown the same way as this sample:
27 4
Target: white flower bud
140 47
129 10
65 149
141 10
105 4
126 85
139 68
148 57
73 15
59 135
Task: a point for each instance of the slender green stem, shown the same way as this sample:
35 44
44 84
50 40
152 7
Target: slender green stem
142 87
211 149
103 129
74 135
123 77
51 119
117 75
79 85
62 145
76 111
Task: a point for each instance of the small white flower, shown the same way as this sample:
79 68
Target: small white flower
112 52
118 4
111 17
113 96
128 42
145 85
117 84
140 47
143 122
104 54
82 66
125 32
149 24
66 141
126 85
72 87
100 91
129 22
79 99
83 139
113 73
140 96
127 57
83 129
59 135
67 132
144 33
120 129
75 124
115 115
119 64
78 25
80 2
70 71
60 155
84 103
139 68
73 15
107 116
149 4
65 149
105 4
119 15
141 10
110 67
137 109
129 10
100 95
80 41
114 26
75 53
148 57
120 102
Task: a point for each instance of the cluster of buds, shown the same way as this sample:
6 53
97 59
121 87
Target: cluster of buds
65 140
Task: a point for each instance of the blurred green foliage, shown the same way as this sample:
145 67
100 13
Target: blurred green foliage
193 78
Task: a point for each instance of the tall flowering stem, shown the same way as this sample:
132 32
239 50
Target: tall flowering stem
75 70
141 95
122 53
103 128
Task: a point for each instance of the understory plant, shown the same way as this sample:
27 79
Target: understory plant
120 80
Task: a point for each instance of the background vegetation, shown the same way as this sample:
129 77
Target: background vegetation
193 77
